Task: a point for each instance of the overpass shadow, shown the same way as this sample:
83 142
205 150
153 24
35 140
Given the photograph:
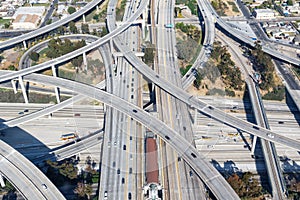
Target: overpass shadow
257 154
22 141
291 172
292 106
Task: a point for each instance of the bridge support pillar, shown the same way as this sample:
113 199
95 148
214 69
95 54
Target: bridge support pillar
97 8
14 86
24 44
55 88
83 18
253 145
23 89
85 61
195 117
2 183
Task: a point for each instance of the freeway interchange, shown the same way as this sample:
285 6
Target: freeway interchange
169 88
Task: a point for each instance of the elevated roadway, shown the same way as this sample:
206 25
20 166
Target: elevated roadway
276 180
209 38
77 52
216 183
244 38
23 63
50 27
25 176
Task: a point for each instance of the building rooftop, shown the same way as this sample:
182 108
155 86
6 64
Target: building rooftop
36 10
261 11
26 18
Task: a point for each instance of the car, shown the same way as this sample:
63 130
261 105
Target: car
118 171
123 180
191 174
26 110
105 195
21 113
124 147
280 122
270 135
129 195
130 170
44 186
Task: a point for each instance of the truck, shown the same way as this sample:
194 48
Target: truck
169 26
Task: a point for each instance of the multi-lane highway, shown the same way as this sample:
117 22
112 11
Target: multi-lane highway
214 181
270 155
25 176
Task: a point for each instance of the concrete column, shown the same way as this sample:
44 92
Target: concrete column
2 183
85 61
196 115
97 8
253 145
23 89
83 18
55 88
14 86
24 44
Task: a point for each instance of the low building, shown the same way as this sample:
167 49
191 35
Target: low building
264 14
35 10
26 21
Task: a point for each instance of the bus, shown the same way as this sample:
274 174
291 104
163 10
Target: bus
68 136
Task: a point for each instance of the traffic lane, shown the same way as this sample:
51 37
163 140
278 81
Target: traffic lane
50 27
77 52
203 168
201 106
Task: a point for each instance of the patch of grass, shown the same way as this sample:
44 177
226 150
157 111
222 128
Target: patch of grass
8 95
4 21
216 91
183 71
197 53
234 7
277 94
120 10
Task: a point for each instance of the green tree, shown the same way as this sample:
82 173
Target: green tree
96 17
149 54
71 10
85 28
6 25
49 21
73 28
104 31
12 68
77 62
34 56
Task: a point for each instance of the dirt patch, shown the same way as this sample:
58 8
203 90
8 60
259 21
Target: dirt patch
11 57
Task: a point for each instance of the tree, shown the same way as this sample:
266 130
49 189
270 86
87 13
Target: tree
83 190
34 56
77 62
73 28
96 17
49 21
149 54
103 31
6 25
12 68
85 28
71 10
